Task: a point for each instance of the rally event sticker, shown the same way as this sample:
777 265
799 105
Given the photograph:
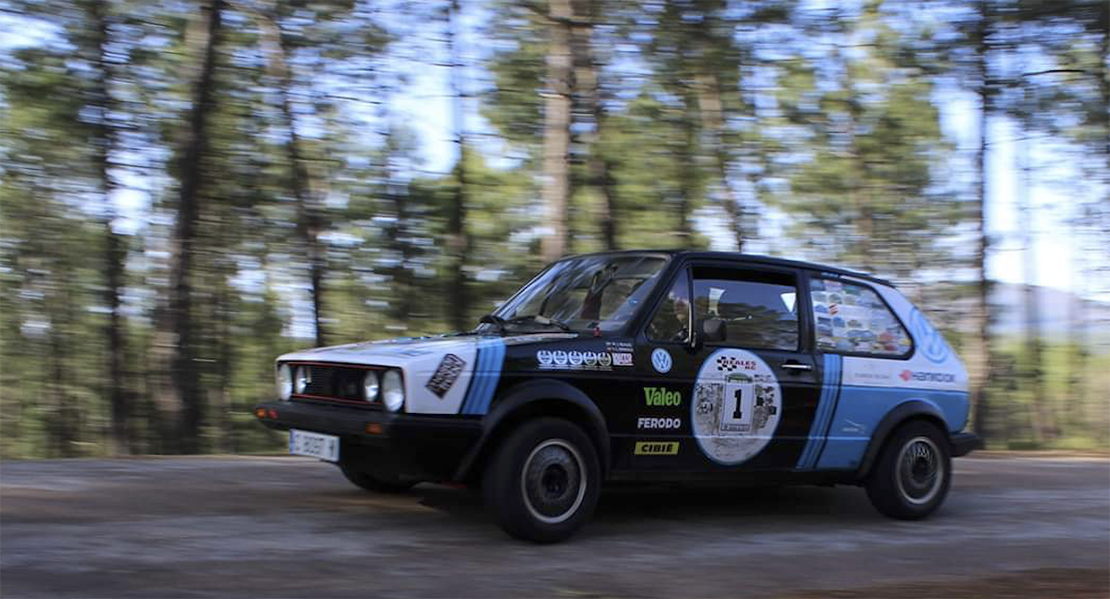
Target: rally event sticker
736 408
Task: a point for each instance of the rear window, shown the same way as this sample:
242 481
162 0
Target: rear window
851 318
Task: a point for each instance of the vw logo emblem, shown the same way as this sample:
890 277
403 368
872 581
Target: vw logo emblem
661 360
929 340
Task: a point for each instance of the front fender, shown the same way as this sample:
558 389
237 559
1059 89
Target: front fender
545 397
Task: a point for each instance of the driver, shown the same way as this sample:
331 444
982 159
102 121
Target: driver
672 323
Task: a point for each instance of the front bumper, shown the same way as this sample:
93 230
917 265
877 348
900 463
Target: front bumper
411 446
964 443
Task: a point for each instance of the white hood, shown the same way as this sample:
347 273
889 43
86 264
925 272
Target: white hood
443 375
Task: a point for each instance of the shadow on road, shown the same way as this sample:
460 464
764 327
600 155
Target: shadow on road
628 505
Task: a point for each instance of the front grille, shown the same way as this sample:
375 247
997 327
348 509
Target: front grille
333 383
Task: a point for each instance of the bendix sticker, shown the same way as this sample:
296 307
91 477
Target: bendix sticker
737 405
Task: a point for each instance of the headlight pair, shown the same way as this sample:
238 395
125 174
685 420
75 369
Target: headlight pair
291 381
388 388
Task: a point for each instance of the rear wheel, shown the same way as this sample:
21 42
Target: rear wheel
913 474
375 482
543 482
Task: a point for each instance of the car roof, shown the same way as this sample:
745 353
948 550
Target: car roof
749 258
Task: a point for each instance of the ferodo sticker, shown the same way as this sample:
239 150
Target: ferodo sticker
656 448
649 423
737 405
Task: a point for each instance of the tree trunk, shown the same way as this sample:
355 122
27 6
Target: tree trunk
115 250
688 175
458 237
1076 348
1044 429
63 430
309 221
588 93
556 130
1097 426
183 368
981 358
711 106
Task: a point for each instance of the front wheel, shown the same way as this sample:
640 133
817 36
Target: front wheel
913 474
543 482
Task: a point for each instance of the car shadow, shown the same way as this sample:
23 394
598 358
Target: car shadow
629 505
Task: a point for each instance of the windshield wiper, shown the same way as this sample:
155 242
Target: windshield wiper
494 320
540 320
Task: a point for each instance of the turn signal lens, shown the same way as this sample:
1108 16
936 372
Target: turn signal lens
260 412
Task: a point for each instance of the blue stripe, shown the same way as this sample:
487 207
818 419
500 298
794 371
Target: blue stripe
836 384
481 374
475 379
487 373
492 376
823 414
473 386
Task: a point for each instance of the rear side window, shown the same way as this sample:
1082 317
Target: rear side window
759 309
850 318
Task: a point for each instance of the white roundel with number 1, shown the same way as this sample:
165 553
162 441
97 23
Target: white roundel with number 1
737 405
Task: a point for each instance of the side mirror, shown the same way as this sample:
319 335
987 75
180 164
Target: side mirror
714 329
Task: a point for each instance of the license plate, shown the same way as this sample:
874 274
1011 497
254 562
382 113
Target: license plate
315 445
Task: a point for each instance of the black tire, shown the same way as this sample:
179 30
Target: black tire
914 471
543 481
375 482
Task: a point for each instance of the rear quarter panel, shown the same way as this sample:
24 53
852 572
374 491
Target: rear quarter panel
871 387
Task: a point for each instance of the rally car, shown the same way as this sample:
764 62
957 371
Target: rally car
645 366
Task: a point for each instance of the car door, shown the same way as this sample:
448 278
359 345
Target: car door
746 399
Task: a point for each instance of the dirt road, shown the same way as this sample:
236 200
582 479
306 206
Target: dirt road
290 527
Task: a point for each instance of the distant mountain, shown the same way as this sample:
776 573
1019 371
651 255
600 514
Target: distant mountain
1056 311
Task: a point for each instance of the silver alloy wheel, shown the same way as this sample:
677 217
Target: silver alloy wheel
919 471
550 475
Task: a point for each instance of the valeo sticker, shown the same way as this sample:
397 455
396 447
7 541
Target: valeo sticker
660 397
656 448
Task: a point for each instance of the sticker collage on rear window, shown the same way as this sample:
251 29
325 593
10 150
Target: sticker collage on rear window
852 318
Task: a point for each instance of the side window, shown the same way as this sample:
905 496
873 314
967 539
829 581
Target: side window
854 319
759 309
671 322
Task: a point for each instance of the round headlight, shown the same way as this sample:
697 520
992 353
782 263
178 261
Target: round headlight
284 381
303 379
393 391
370 386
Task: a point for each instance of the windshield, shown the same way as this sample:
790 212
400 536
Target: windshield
583 294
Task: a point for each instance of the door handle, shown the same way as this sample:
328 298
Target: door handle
792 365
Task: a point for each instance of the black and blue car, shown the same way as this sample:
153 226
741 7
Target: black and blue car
645 366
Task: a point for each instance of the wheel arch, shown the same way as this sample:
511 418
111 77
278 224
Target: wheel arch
907 411
534 398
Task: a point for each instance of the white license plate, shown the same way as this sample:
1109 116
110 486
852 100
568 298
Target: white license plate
325 447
